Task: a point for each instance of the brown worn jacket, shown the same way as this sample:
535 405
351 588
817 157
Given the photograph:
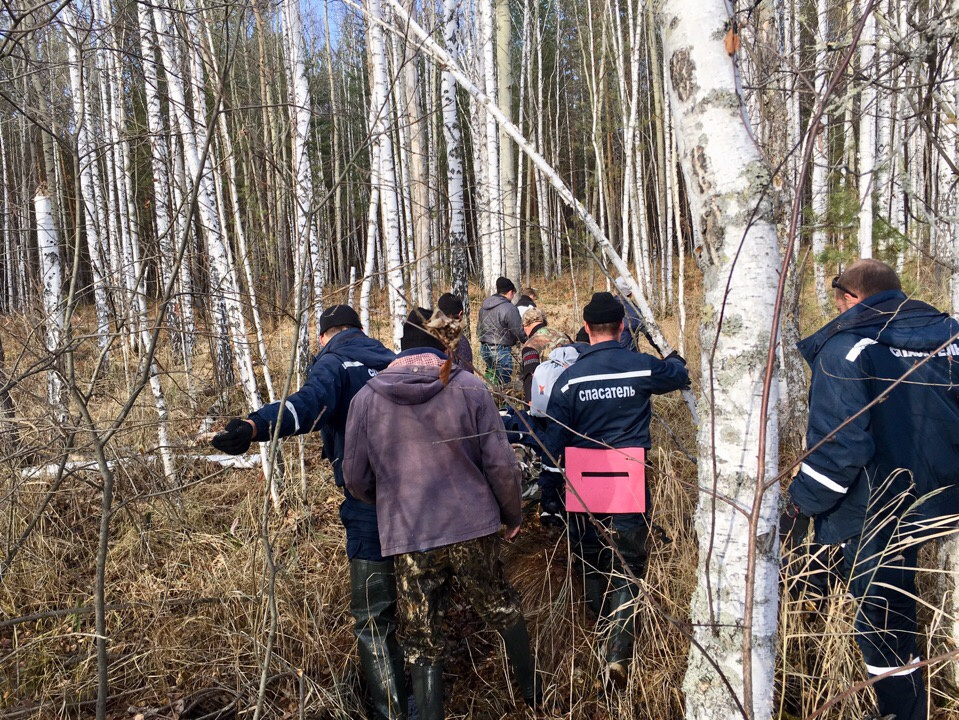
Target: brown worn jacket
434 458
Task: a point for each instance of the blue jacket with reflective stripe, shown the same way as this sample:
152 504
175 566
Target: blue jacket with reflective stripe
605 396
901 456
344 365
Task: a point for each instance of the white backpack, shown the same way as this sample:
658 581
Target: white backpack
544 377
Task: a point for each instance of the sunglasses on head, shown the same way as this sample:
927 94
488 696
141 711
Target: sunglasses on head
836 285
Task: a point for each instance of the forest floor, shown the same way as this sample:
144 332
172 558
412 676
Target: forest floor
188 584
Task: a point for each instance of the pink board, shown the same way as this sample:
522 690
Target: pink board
606 481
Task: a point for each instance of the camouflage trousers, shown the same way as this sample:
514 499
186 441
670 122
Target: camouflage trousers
423 582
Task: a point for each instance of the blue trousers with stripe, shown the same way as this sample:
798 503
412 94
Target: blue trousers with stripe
881 566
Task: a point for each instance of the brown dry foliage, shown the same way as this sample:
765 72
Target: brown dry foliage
187 581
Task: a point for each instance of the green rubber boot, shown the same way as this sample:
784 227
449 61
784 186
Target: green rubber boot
428 690
622 621
516 639
373 605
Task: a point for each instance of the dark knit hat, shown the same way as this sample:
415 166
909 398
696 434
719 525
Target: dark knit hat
336 315
504 285
450 304
414 333
582 336
603 308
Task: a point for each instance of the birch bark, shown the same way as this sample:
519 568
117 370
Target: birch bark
52 281
507 161
193 135
8 297
159 160
734 606
454 159
89 179
382 139
418 177
820 159
867 134
300 108
491 160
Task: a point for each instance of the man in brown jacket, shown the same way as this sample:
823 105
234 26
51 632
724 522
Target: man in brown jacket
425 442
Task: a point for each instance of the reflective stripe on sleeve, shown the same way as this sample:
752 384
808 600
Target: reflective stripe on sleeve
857 349
823 480
296 418
877 670
352 363
607 376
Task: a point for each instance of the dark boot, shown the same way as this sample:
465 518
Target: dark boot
621 618
373 605
516 639
595 584
428 690
903 697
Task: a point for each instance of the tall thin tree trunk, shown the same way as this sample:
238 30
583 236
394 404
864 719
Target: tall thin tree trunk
507 160
304 234
490 161
89 179
867 134
454 160
820 170
382 138
51 277
735 604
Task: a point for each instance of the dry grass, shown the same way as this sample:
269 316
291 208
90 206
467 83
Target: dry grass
187 582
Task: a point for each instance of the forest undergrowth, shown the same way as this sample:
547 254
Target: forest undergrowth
188 584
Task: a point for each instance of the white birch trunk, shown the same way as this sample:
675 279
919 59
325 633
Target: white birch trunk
89 179
300 109
454 159
382 139
734 607
180 191
8 295
159 163
539 141
820 160
507 160
193 136
491 160
867 134
418 178
51 276
240 234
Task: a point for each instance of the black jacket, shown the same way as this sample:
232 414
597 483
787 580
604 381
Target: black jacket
900 457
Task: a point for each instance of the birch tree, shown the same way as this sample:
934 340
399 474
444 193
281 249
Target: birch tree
305 241
867 134
383 149
454 158
734 607
820 169
507 161
51 278
91 190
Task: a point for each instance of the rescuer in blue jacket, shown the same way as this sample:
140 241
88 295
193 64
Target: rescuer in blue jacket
344 365
879 483
603 401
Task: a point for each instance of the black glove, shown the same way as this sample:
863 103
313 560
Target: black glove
235 438
793 527
675 356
